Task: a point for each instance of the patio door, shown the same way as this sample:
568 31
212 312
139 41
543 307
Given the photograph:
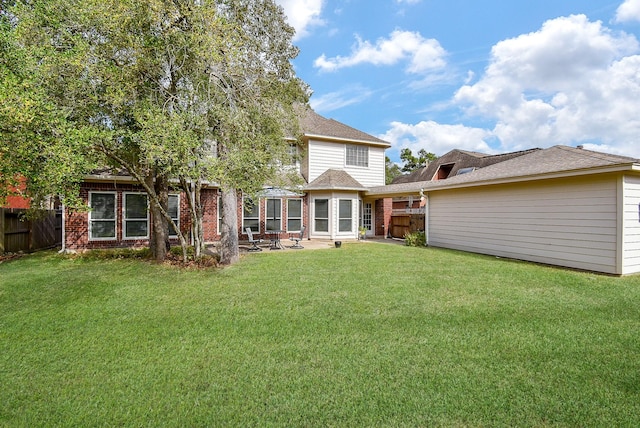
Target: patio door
367 217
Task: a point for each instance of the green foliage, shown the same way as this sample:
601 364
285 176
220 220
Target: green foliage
151 86
430 337
392 170
415 239
412 163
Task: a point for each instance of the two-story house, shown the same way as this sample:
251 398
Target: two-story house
340 164
337 163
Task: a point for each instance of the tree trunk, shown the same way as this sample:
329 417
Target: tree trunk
229 251
159 241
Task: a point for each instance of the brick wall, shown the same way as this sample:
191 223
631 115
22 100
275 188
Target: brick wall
384 208
77 223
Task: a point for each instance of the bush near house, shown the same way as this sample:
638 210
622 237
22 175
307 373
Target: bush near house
415 239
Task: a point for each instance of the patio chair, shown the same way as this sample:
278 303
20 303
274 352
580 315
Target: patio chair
296 238
254 242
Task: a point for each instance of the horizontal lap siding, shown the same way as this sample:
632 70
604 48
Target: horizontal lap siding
631 252
569 224
329 155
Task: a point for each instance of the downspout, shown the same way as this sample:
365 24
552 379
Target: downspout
63 248
426 217
193 225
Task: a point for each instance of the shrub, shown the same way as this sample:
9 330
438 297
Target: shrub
415 239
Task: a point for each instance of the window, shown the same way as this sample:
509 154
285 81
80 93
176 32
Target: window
273 219
357 155
367 216
135 220
443 172
321 214
102 217
466 170
173 210
293 154
344 215
294 215
250 215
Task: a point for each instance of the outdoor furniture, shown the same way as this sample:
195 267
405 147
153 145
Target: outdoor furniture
254 242
296 238
275 239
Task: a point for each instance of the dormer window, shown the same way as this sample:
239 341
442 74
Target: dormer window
443 171
357 155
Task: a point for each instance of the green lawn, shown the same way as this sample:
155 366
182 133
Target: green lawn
365 335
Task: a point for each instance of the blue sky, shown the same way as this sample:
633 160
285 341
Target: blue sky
489 76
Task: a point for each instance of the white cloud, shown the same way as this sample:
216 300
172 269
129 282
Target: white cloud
628 11
437 138
423 54
408 1
336 100
302 14
572 81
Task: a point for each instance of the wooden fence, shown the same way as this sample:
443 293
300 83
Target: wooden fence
17 233
406 223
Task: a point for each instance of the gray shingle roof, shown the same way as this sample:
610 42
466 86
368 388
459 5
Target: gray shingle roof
460 159
537 164
335 179
314 124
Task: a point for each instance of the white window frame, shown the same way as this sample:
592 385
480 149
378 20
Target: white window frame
244 217
114 220
357 155
341 219
267 218
316 218
125 219
172 233
290 217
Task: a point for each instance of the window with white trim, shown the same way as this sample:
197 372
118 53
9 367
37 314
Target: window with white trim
357 155
273 220
173 209
294 215
250 216
321 215
135 216
345 208
102 217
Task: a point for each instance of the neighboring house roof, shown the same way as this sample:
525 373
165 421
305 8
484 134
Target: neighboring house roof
458 159
314 125
556 161
335 179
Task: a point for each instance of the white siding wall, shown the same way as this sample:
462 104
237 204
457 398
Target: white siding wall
334 198
569 223
323 155
631 225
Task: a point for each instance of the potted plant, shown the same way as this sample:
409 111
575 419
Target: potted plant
362 232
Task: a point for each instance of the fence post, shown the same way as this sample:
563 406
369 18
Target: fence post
1 230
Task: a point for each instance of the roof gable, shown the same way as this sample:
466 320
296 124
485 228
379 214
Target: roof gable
335 179
315 125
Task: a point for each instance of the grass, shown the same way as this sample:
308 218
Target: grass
365 335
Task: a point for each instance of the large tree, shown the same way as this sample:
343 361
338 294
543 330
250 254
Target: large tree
162 86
